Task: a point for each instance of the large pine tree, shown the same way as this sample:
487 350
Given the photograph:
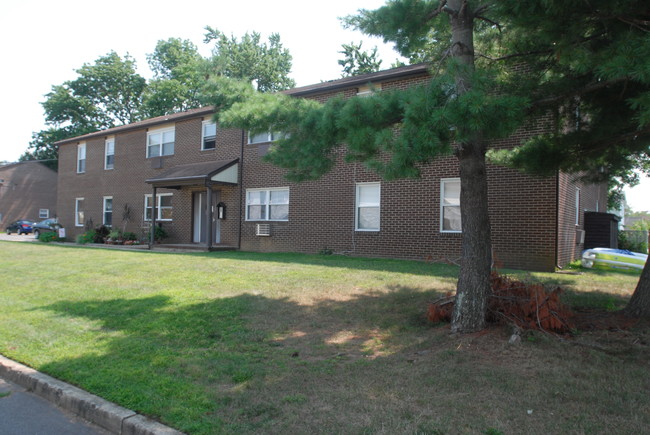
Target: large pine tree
495 66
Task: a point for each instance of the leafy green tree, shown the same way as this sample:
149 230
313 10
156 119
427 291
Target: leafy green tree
106 93
177 67
268 64
110 92
357 61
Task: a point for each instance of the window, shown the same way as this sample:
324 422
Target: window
108 211
368 206
44 213
450 205
161 142
163 205
262 137
109 153
79 218
267 205
367 90
577 206
209 136
81 158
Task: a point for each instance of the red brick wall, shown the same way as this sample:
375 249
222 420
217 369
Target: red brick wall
321 213
593 197
26 188
126 182
523 210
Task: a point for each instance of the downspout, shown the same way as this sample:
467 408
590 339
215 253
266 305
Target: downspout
152 231
557 220
241 187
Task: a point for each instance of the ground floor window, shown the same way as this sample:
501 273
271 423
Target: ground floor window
267 204
163 206
108 211
79 214
450 205
367 206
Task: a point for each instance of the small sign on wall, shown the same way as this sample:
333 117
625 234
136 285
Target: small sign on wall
61 233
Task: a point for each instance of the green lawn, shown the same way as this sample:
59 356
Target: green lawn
286 343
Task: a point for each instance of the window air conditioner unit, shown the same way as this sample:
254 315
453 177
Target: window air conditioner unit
263 230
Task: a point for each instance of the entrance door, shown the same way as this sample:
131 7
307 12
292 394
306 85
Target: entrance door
200 218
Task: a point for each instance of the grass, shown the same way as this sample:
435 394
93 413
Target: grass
286 343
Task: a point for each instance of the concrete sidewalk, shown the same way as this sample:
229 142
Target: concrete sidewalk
110 417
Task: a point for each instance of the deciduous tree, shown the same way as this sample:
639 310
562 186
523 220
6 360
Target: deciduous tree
357 61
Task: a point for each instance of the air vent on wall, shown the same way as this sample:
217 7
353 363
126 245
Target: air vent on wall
263 230
580 237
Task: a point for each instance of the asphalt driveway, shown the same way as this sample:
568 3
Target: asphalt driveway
16 238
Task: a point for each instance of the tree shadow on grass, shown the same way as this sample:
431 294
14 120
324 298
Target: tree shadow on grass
186 363
366 364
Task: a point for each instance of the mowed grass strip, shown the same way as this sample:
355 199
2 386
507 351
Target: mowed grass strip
287 343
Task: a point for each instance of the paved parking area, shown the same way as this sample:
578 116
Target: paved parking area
13 237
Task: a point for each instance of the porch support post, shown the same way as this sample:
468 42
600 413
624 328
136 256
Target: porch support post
152 230
209 213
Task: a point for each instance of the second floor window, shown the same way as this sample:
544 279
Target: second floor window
160 142
209 136
263 137
109 151
81 158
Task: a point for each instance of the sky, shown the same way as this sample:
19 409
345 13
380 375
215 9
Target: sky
45 41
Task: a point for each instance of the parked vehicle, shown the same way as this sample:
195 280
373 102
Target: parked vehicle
20 227
45 226
613 259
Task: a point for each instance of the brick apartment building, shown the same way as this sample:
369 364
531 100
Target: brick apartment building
201 173
27 191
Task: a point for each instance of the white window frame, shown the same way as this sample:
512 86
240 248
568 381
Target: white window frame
359 205
81 158
577 206
204 124
109 151
443 183
159 208
267 203
44 213
105 211
160 145
77 221
270 137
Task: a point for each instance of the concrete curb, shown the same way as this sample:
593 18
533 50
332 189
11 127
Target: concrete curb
114 418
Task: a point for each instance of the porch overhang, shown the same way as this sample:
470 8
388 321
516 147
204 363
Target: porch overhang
198 174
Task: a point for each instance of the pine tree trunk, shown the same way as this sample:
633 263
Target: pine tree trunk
639 304
474 277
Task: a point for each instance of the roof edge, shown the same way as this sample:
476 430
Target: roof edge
328 86
145 123
346 82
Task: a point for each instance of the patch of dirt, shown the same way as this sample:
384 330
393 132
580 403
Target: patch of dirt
598 320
